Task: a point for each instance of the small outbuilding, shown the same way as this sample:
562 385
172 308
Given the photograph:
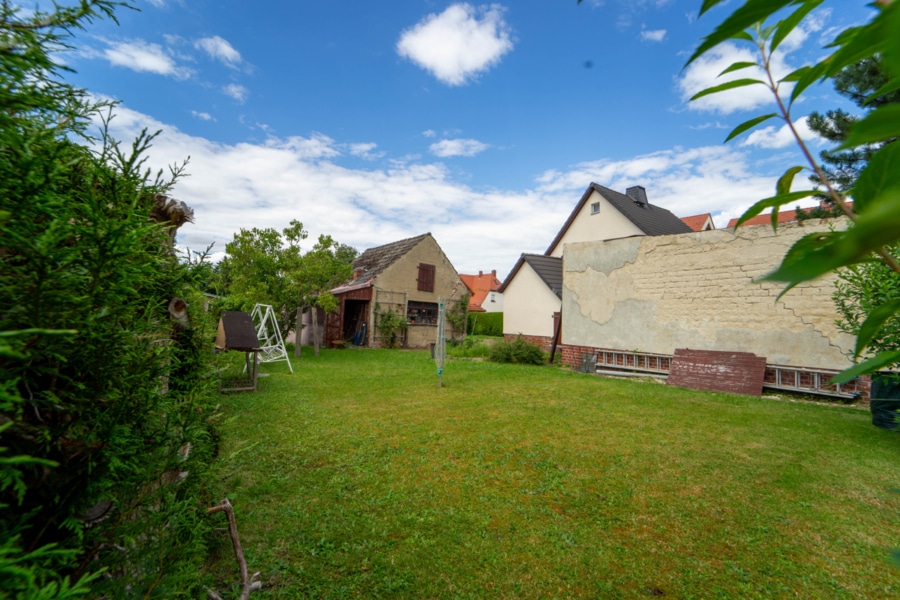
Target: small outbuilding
400 283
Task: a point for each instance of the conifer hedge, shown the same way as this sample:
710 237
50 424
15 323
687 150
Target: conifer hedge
104 397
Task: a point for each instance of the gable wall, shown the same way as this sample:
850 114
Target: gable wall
528 305
400 278
608 224
697 290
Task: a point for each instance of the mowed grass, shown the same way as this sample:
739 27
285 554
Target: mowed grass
358 477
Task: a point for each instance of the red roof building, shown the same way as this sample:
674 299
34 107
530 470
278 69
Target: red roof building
784 216
483 288
702 222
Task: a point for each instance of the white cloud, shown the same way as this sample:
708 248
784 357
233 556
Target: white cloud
244 185
656 35
364 150
780 137
459 147
429 133
219 49
459 43
238 92
142 56
203 116
704 73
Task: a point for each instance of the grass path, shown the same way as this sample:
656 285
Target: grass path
358 477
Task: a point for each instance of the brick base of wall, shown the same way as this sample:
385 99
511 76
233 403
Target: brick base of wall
544 341
625 360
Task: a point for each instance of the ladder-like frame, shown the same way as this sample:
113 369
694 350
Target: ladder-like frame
271 343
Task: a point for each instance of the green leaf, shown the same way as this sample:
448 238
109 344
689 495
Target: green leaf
872 325
730 85
751 13
879 361
855 44
890 86
805 77
737 67
879 125
818 253
882 172
748 125
785 181
708 4
788 24
779 200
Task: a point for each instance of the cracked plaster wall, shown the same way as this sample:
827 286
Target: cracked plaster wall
697 290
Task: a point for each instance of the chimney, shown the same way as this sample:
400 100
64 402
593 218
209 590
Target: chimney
357 272
480 273
638 194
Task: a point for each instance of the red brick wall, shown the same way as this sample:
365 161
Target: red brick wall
571 356
544 341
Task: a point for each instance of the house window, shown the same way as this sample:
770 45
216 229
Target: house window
425 280
422 313
493 298
595 208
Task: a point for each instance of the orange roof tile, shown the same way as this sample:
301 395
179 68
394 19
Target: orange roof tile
479 286
698 222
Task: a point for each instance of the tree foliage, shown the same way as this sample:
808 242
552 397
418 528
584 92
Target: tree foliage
264 266
101 393
259 268
842 166
875 214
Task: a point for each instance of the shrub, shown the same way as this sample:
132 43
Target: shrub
517 351
103 395
486 323
468 347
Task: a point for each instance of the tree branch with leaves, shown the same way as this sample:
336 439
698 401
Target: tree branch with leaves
875 213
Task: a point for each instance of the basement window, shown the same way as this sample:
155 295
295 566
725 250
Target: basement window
422 313
595 208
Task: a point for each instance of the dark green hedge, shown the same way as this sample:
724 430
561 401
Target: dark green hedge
486 323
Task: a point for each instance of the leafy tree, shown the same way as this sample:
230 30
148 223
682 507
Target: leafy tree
875 214
842 167
101 391
261 266
859 291
324 267
458 314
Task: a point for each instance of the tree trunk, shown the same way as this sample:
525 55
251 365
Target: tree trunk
315 328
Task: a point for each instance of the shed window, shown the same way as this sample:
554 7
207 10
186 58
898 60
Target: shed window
425 279
595 208
422 313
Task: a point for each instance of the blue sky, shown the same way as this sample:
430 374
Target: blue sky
481 123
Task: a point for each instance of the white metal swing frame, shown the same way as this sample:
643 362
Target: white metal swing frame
271 343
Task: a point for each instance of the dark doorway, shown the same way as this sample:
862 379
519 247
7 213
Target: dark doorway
355 327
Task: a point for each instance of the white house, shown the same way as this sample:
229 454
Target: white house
532 292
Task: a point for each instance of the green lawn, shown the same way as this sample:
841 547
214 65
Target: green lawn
358 477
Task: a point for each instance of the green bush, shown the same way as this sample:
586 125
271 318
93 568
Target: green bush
517 351
104 441
468 347
486 323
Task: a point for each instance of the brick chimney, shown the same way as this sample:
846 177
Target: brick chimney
638 194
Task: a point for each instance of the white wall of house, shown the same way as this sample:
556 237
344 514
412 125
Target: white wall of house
493 302
607 223
529 305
